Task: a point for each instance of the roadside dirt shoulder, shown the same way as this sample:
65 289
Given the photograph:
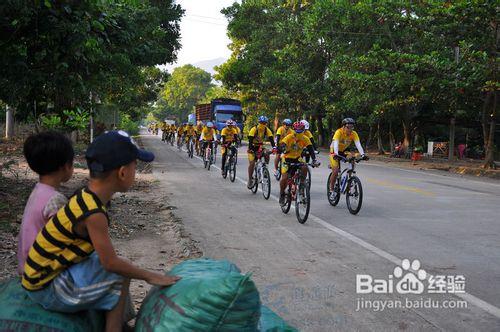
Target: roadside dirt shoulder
144 228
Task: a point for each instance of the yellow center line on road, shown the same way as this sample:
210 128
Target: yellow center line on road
401 187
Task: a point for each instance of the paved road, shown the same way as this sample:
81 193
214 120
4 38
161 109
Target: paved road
307 273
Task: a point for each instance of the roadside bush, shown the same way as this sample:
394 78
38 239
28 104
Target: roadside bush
130 126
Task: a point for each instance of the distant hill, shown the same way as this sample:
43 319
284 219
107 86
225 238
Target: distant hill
208 65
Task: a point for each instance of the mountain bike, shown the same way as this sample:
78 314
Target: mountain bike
346 183
172 139
278 174
179 142
298 191
307 156
190 147
208 156
261 173
231 161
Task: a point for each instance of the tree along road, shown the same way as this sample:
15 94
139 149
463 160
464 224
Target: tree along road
308 273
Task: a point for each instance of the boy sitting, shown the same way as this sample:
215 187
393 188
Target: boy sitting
50 155
72 265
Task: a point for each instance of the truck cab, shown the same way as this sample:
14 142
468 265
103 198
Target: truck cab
227 109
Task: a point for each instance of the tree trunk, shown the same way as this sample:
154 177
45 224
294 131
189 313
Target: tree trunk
490 148
330 126
321 131
391 138
9 122
380 146
484 122
406 136
451 145
370 136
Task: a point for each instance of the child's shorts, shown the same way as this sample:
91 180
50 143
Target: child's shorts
85 285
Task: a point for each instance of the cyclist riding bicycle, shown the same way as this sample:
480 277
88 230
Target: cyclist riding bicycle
164 130
189 131
256 138
292 146
208 136
199 128
281 133
171 132
180 132
341 140
229 135
309 135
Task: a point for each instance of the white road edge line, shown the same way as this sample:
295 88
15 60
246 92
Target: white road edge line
450 176
491 309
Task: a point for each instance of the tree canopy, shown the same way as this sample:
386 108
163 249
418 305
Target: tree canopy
396 65
187 87
62 55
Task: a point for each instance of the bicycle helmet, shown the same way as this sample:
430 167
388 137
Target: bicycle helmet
348 121
230 123
298 127
287 122
210 124
263 118
305 123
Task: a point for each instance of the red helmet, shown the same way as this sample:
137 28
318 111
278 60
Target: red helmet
298 127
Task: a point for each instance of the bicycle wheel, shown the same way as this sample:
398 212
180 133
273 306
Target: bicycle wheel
205 159
232 169
285 207
191 148
333 199
278 175
255 181
226 169
266 183
309 176
210 161
302 202
354 195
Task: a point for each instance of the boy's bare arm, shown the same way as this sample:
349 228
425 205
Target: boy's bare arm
97 227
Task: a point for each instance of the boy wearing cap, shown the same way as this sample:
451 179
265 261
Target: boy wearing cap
72 265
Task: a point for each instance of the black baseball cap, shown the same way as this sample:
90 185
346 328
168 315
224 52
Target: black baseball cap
114 149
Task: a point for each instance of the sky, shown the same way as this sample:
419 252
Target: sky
203 32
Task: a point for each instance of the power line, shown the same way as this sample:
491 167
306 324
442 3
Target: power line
205 22
206 17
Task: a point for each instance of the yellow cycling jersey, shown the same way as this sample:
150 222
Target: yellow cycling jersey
344 139
189 131
180 130
295 143
207 134
228 133
260 133
172 129
199 128
283 131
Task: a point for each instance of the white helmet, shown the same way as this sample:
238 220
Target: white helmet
305 123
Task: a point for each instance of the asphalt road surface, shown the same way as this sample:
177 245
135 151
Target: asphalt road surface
308 273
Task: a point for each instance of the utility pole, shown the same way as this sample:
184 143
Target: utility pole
451 145
9 122
91 119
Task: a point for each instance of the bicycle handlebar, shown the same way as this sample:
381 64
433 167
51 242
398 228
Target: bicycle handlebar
349 160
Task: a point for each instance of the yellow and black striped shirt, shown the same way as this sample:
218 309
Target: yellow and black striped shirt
57 246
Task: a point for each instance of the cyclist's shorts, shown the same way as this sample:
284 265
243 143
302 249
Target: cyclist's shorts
334 163
285 168
251 154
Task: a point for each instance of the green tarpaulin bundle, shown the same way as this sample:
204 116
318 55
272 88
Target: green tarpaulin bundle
212 295
19 313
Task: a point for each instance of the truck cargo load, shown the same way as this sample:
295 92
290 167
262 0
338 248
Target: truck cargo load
219 111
